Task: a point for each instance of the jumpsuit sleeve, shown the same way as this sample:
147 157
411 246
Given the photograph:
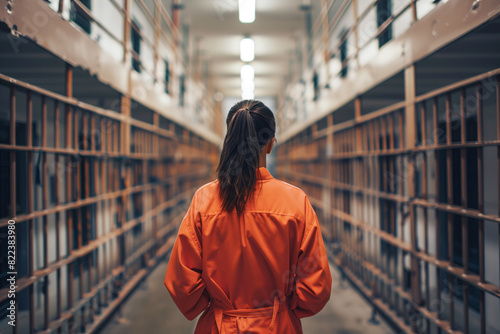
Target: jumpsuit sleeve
184 272
313 278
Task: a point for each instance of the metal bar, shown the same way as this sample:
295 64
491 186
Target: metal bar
480 183
383 133
45 206
29 119
31 249
126 31
449 187
414 10
13 197
83 10
463 158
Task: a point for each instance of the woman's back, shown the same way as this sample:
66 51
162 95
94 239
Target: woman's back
246 261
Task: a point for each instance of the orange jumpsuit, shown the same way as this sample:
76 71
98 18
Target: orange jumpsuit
259 273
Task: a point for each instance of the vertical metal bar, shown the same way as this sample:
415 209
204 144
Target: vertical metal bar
410 133
115 132
68 171
31 251
480 183
371 136
383 133
126 31
414 10
331 170
355 29
94 137
449 181
436 191
423 125
85 133
157 22
463 165
57 132
29 120
103 137
57 217
425 197
12 152
76 140
12 161
44 122
45 206
391 132
109 138
326 29
401 131
77 194
92 133
29 117
69 80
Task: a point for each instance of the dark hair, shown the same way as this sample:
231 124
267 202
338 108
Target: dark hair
250 125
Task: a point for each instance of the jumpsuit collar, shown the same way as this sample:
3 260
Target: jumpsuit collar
263 174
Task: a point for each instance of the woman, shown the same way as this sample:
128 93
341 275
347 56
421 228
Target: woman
249 252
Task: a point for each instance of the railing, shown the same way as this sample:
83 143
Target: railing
116 26
341 21
165 30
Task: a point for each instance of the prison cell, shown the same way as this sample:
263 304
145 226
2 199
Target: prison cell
401 195
93 210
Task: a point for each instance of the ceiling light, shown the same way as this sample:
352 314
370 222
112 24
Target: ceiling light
247 95
247 85
247 49
247 11
247 72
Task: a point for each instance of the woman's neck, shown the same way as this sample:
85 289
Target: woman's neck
262 160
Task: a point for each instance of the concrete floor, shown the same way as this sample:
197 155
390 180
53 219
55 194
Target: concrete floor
151 310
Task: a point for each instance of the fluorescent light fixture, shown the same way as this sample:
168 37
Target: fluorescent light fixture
247 11
247 49
247 95
247 85
247 72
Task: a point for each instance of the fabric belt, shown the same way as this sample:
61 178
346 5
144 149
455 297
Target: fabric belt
219 312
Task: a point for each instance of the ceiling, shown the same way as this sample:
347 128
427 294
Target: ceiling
216 25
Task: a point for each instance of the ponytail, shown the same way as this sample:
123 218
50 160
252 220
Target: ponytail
250 125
